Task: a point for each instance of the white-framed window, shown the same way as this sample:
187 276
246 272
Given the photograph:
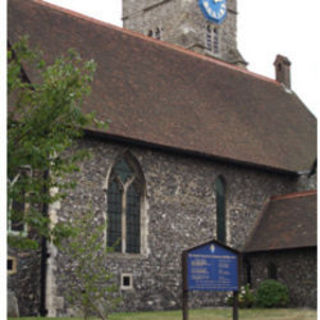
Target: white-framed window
126 281
17 207
125 198
11 265
16 223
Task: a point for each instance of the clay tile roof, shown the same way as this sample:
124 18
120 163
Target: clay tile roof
163 95
287 222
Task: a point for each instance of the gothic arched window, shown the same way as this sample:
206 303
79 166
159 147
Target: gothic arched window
124 204
220 209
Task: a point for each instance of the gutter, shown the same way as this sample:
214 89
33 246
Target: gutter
104 136
44 255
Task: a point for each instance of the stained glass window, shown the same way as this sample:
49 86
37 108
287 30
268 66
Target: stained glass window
133 220
123 171
221 208
124 205
114 215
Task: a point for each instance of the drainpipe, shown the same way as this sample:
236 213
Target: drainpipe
44 255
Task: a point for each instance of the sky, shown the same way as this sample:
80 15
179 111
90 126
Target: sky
265 29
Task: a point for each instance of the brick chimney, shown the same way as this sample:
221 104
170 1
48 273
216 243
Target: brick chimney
282 67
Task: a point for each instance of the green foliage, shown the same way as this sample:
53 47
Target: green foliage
246 297
89 284
44 119
272 294
209 314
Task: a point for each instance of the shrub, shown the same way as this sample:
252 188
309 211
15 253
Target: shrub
272 294
246 297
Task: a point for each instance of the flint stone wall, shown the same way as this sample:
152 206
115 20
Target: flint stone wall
295 268
181 22
180 212
25 283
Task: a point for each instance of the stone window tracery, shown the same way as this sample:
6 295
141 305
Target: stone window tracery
124 197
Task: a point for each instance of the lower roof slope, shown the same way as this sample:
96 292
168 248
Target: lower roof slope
287 222
164 95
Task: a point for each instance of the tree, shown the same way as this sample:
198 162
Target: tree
89 284
45 117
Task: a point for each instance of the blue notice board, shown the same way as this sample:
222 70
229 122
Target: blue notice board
212 267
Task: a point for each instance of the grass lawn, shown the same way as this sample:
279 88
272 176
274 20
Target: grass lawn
211 314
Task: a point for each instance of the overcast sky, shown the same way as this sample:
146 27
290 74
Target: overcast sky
265 28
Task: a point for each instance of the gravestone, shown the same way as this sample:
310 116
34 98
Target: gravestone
12 305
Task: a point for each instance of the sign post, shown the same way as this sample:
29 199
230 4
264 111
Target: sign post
235 312
184 287
211 266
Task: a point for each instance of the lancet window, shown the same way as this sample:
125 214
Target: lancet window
124 196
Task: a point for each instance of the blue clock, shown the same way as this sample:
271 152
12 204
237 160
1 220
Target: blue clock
214 10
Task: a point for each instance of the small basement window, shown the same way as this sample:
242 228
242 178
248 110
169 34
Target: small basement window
126 281
11 265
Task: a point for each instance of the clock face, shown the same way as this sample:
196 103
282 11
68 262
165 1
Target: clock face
214 10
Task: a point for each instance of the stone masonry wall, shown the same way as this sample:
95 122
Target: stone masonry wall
181 22
180 212
25 283
295 268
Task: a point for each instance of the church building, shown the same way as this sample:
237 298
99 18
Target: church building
198 148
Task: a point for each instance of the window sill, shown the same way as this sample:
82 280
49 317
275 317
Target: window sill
127 256
13 233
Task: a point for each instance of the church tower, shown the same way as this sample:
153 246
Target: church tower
208 27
